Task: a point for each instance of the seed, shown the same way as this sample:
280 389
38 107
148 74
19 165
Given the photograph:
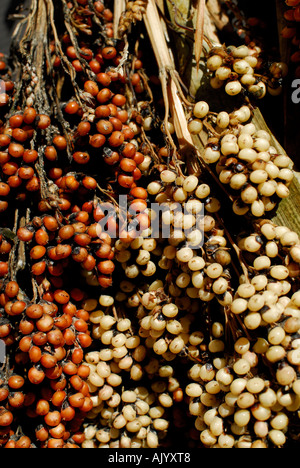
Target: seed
233 88
241 367
277 437
242 417
201 108
214 62
195 126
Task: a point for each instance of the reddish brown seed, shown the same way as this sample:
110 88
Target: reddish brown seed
125 181
16 150
37 252
29 115
56 338
4 189
67 413
6 417
43 121
61 296
116 139
89 183
25 344
42 407
60 142
16 399
10 168
45 323
58 398
41 433
26 327
16 121
4 140
23 443
127 165
30 156
48 361
101 112
18 307
50 223
97 140
16 382
72 108
25 234
81 157
104 95
50 153
52 418
91 87
35 354
119 100
84 128
109 53
41 237
76 400
38 268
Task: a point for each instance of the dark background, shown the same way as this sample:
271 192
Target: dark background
7 8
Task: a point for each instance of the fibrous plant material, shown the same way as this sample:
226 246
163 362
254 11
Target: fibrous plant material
137 301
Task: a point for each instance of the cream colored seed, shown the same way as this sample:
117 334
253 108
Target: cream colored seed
286 375
196 263
249 195
226 441
245 141
202 191
210 156
214 270
242 417
243 115
256 303
255 385
224 376
229 147
223 119
245 400
160 346
190 183
280 421
239 306
237 181
242 345
217 329
176 345
195 126
194 390
223 73
260 412
233 88
241 367
238 386
201 108
279 272
242 67
168 176
248 154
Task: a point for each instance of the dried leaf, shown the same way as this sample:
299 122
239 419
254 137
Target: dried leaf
199 33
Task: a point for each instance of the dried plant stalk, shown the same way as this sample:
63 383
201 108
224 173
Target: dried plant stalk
119 8
199 34
170 84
